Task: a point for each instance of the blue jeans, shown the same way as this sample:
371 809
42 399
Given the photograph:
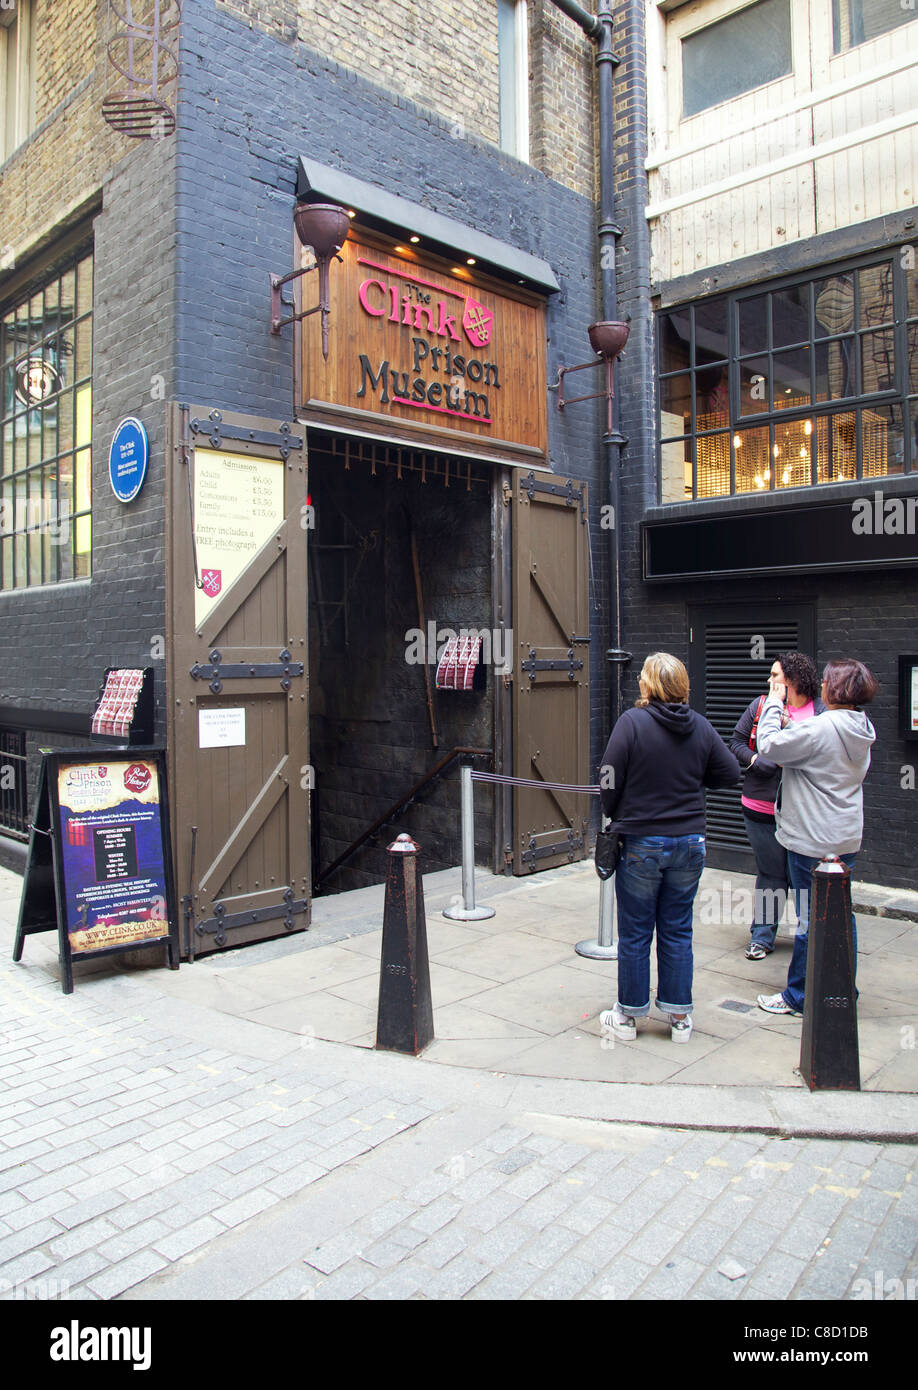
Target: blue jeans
655 885
800 868
771 881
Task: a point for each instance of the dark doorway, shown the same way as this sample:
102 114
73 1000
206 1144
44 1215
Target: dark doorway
400 548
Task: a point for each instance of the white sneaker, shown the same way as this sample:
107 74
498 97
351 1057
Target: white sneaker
622 1025
775 1004
680 1029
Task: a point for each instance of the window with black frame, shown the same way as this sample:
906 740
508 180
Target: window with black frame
46 430
801 383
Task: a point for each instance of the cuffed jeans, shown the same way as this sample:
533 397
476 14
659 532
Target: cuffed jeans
655 886
772 881
801 869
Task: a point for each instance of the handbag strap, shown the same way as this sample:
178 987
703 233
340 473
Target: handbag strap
755 722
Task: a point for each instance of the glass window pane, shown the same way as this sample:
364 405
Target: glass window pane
836 370
736 54
711 330
790 316
791 378
676 470
911 288
68 296
84 292
792 453
753 324
875 287
714 465
674 331
712 398
752 459
857 21
878 361
836 447
676 404
753 374
882 441
913 358
834 305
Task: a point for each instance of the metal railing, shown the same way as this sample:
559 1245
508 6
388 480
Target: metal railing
14 796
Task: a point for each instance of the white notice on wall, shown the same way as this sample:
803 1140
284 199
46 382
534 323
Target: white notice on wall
221 728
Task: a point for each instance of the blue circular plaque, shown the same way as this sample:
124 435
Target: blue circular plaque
127 459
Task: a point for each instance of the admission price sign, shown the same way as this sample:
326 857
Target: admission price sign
99 868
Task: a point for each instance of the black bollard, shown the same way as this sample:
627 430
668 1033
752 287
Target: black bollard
829 1058
404 1022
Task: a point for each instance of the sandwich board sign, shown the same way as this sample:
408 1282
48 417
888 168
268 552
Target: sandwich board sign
99 869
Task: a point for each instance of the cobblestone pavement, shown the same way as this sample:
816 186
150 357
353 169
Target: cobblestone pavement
201 1157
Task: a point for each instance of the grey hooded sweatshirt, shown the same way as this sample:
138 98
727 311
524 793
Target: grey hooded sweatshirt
820 807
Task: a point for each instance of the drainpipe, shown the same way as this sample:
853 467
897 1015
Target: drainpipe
599 28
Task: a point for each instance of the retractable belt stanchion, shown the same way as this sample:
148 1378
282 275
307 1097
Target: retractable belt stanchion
468 912
604 948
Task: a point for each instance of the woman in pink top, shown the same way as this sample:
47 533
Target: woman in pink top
760 787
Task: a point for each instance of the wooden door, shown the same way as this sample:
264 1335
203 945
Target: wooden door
551 675
237 726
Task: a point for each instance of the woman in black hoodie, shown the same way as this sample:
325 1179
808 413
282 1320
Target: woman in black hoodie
658 761
798 673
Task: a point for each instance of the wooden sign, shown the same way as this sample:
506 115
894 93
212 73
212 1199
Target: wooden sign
99 869
430 348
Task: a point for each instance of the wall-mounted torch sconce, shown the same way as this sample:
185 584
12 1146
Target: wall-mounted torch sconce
324 227
608 340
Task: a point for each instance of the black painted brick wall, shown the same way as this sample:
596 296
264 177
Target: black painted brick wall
252 103
58 639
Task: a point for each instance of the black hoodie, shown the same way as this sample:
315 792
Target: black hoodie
656 766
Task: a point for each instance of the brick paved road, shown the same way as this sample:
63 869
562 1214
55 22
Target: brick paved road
201 1157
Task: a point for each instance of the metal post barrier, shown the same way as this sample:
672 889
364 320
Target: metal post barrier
404 1021
829 1058
605 947
468 912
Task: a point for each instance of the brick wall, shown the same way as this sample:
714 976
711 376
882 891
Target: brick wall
562 120
238 147
442 57
60 167
57 639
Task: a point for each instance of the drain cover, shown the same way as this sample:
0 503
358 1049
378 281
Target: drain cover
736 1006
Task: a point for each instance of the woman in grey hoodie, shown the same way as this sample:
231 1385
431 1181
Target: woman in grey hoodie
820 807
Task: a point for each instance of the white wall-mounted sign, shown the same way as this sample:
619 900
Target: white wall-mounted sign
221 728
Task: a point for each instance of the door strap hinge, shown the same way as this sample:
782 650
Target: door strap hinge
531 485
222 921
568 847
217 430
218 672
571 665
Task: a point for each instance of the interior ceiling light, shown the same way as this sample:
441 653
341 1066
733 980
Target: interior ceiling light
415 238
